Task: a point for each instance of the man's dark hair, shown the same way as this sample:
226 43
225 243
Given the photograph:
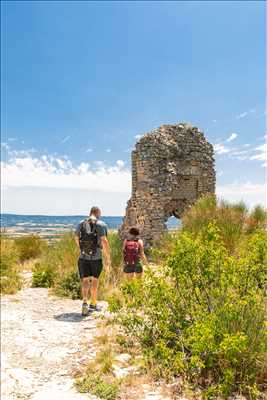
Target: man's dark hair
95 210
134 231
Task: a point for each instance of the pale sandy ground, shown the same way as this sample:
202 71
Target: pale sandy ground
44 340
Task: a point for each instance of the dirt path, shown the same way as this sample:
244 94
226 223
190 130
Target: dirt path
44 339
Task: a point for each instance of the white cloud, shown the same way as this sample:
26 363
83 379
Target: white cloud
262 154
21 153
219 148
54 185
62 163
242 115
59 172
239 152
232 137
17 153
214 120
137 137
108 150
250 193
233 152
65 139
120 164
88 150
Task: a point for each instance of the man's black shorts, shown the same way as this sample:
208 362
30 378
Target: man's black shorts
89 268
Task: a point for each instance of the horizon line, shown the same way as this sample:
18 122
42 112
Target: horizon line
57 215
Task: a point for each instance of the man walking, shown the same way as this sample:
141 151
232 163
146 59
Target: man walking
91 237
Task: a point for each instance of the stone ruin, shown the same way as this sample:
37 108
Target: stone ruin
172 166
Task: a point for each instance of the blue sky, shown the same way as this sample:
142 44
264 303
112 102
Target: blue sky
81 80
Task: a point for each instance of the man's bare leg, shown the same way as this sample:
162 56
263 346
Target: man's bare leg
94 289
85 289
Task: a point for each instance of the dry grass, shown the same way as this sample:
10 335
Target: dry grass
104 359
233 219
10 268
102 339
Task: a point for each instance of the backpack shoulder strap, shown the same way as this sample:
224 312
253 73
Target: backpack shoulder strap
82 228
93 227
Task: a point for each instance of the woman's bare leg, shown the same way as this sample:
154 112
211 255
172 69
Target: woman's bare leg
129 276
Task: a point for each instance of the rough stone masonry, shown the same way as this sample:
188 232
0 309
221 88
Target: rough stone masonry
172 166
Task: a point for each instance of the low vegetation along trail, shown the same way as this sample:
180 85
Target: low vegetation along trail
44 340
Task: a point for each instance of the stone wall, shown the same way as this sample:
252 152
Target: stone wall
172 166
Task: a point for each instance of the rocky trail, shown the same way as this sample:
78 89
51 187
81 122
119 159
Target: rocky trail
44 340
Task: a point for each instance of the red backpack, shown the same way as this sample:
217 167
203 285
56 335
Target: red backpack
131 252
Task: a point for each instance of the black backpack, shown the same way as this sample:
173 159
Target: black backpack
88 240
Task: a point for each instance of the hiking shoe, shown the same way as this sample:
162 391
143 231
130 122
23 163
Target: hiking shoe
85 310
93 307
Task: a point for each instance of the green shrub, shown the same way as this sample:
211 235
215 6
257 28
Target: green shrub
97 386
69 285
203 313
9 269
57 267
43 275
164 247
115 300
29 247
257 219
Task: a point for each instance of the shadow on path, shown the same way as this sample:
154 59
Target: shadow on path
70 317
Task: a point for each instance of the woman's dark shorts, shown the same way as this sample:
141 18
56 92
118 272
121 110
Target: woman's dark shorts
89 268
136 268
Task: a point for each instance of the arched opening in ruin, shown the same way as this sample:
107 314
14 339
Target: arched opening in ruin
173 223
173 210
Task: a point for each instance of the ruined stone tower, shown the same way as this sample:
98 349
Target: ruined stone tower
172 166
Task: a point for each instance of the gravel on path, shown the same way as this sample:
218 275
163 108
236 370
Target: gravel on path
44 338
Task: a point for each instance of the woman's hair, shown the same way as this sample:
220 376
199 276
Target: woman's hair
134 231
